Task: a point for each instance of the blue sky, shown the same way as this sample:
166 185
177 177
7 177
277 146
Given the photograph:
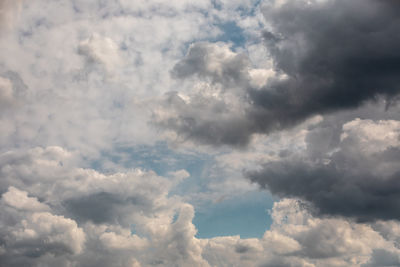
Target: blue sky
247 216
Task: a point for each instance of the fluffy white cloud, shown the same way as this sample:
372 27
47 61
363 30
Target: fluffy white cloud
296 238
370 136
19 199
82 211
30 232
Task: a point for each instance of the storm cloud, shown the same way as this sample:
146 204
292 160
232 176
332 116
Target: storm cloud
336 55
327 56
357 177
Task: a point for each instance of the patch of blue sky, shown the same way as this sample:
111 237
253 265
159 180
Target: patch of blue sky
247 11
245 215
158 158
231 33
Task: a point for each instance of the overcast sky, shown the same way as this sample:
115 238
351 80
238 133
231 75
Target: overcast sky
199 133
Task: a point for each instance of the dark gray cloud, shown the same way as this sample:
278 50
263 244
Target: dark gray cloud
99 208
337 55
334 55
351 172
334 191
105 207
205 119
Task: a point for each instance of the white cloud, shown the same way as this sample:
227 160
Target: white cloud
102 50
371 136
19 199
52 231
6 92
9 12
30 232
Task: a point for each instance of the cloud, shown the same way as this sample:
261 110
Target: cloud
90 69
29 231
82 211
101 50
19 199
142 224
329 56
203 117
12 90
357 177
296 238
214 111
9 11
214 61
6 92
336 55
84 194
72 137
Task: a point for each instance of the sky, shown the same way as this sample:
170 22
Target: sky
199 133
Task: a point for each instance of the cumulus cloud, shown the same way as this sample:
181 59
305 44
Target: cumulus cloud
336 55
214 111
82 211
327 56
29 231
90 68
19 199
203 116
213 61
147 227
296 238
357 177
84 193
